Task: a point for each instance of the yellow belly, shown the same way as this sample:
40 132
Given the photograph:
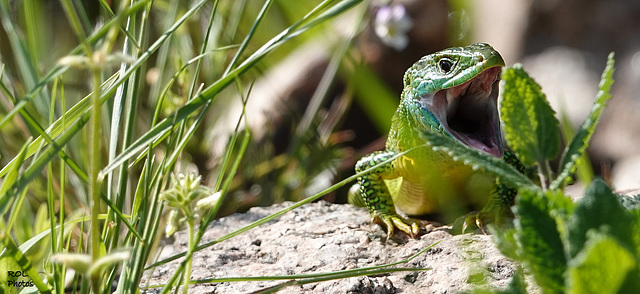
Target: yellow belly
441 186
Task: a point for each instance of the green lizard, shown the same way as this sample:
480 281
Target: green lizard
453 92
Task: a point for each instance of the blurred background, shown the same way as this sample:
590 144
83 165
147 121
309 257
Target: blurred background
324 99
563 45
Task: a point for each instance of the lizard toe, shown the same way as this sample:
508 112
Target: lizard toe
409 226
469 223
477 222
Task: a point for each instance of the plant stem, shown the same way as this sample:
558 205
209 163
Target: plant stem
94 181
544 172
190 248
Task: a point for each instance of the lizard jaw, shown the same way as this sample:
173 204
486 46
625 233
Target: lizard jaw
469 112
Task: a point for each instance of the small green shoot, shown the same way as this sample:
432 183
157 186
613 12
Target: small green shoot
577 146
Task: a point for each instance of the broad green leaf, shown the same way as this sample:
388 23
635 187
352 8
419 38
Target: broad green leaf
560 208
600 210
602 266
539 240
635 213
530 125
477 159
580 141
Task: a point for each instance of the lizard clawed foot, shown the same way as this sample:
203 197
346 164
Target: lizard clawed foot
468 223
478 221
410 226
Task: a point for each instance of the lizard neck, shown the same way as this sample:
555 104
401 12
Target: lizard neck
409 117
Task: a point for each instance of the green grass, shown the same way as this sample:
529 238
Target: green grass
103 105
102 108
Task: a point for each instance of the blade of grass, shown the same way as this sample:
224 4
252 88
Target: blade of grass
95 180
302 279
58 127
23 58
163 52
477 159
12 250
210 93
148 225
158 108
56 244
81 110
283 211
8 189
193 240
60 69
126 99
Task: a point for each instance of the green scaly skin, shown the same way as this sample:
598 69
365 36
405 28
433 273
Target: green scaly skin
452 92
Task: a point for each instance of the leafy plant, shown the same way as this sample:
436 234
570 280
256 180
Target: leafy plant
588 246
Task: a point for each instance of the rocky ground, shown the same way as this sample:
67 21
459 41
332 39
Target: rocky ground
323 237
562 44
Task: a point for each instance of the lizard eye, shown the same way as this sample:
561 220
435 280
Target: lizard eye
445 65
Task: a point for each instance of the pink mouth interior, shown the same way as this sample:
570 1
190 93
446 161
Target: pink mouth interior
469 112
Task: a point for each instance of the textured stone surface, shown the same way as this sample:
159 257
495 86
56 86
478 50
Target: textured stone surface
323 237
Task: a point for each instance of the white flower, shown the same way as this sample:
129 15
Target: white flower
391 25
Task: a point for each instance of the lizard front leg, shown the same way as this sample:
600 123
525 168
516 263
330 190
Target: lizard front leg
498 210
372 190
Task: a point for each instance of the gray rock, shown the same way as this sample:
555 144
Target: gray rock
322 237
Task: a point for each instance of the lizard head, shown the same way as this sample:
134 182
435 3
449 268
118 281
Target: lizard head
455 92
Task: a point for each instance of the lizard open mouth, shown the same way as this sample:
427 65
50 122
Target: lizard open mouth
469 112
